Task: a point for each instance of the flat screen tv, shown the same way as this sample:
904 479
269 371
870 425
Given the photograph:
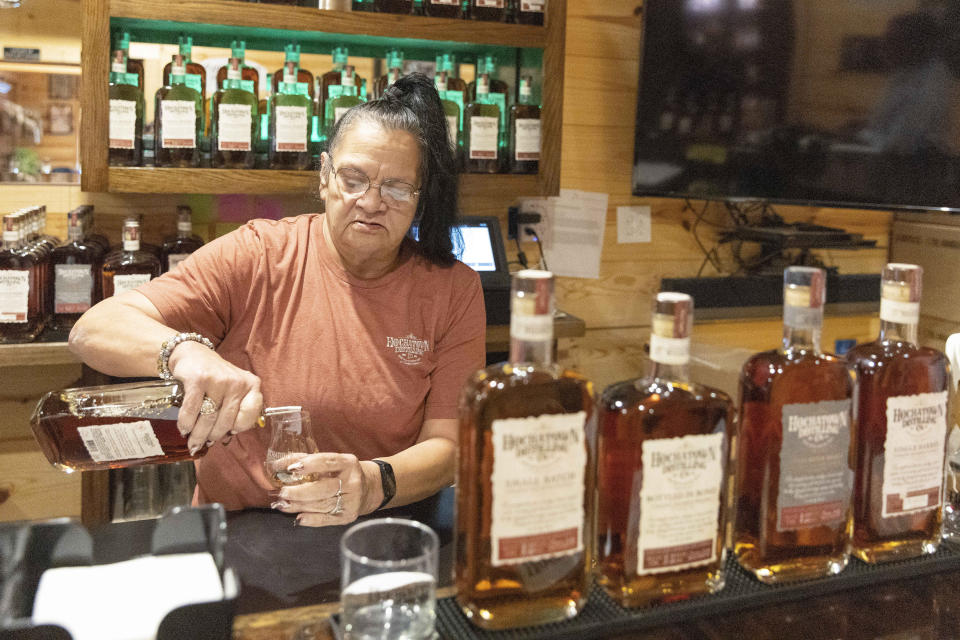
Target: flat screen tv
850 103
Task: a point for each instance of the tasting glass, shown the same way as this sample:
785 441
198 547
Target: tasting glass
388 580
290 434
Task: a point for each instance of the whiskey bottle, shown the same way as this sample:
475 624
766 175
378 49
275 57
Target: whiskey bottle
488 64
195 75
128 267
179 118
393 6
531 11
291 53
126 116
443 8
493 10
238 50
330 81
452 111
338 106
661 468
236 122
131 65
481 129
901 409
41 246
794 454
76 274
525 477
20 308
289 124
448 62
524 148
394 71
176 249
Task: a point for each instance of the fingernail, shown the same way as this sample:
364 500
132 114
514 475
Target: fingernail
194 449
227 440
295 466
279 504
296 521
210 443
234 432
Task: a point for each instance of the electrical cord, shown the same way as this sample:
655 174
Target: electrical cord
543 260
521 256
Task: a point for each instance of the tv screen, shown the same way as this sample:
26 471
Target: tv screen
833 102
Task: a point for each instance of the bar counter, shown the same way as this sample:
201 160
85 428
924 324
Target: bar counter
290 587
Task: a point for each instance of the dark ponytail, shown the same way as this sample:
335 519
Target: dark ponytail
413 105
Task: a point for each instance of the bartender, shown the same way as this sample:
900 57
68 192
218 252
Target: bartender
342 313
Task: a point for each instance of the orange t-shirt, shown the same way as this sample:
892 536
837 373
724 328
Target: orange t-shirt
369 359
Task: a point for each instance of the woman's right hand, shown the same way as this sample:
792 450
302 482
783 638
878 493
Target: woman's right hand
234 391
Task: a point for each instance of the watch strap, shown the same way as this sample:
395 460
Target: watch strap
388 481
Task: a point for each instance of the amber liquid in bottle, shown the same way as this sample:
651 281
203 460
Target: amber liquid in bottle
803 462
176 249
21 312
660 438
125 137
128 267
236 123
179 118
192 68
481 133
512 569
443 8
897 487
289 125
238 50
75 285
525 131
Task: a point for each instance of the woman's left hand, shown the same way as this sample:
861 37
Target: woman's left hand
335 493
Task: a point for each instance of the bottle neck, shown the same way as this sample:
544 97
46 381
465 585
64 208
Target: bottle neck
74 233
801 338
899 331
533 351
671 372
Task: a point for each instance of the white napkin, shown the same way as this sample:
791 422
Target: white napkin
125 600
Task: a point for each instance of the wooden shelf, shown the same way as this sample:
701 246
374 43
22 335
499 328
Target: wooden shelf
36 353
382 25
266 181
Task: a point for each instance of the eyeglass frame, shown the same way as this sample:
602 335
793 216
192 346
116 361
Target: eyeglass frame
370 183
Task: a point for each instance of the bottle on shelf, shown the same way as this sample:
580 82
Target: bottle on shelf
443 8
329 83
524 147
448 62
394 71
235 122
304 79
493 10
21 311
488 64
76 282
794 454
132 65
452 111
902 424
179 121
393 6
195 75
661 469
248 75
126 116
42 246
289 124
339 105
530 11
129 266
98 239
525 477
176 249
481 131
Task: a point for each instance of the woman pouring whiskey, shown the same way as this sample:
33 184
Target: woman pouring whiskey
371 331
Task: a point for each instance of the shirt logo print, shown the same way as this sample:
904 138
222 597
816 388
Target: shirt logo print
408 348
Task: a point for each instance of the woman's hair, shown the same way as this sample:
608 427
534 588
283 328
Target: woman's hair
413 105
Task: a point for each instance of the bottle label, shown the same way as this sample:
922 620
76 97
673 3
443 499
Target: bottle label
121 441
291 128
453 127
899 312
815 477
338 112
493 4
538 481
14 294
192 80
174 259
179 124
673 351
123 123
300 89
72 288
914 452
532 5
483 138
527 134
447 2
234 122
130 281
679 502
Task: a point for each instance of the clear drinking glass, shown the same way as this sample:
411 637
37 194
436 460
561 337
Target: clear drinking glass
389 580
290 434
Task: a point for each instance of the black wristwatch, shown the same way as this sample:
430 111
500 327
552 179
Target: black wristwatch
388 481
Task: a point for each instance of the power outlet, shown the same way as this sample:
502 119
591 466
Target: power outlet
633 224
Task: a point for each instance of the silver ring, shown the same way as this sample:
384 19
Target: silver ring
208 407
338 509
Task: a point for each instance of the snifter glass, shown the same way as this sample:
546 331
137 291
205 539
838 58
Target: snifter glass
290 434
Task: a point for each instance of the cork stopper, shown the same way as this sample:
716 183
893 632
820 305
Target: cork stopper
672 315
901 282
532 306
804 287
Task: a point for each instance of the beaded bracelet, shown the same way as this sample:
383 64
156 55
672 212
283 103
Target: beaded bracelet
163 360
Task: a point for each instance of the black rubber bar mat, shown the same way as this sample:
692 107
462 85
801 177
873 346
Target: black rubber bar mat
602 616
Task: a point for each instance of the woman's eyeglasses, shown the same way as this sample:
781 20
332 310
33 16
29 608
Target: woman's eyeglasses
355 183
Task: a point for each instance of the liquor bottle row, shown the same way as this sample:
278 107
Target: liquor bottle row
518 11
555 486
48 284
289 129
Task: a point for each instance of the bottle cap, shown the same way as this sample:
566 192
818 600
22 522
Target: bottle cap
131 234
672 315
532 305
901 282
340 55
186 45
291 53
238 48
804 292
394 59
